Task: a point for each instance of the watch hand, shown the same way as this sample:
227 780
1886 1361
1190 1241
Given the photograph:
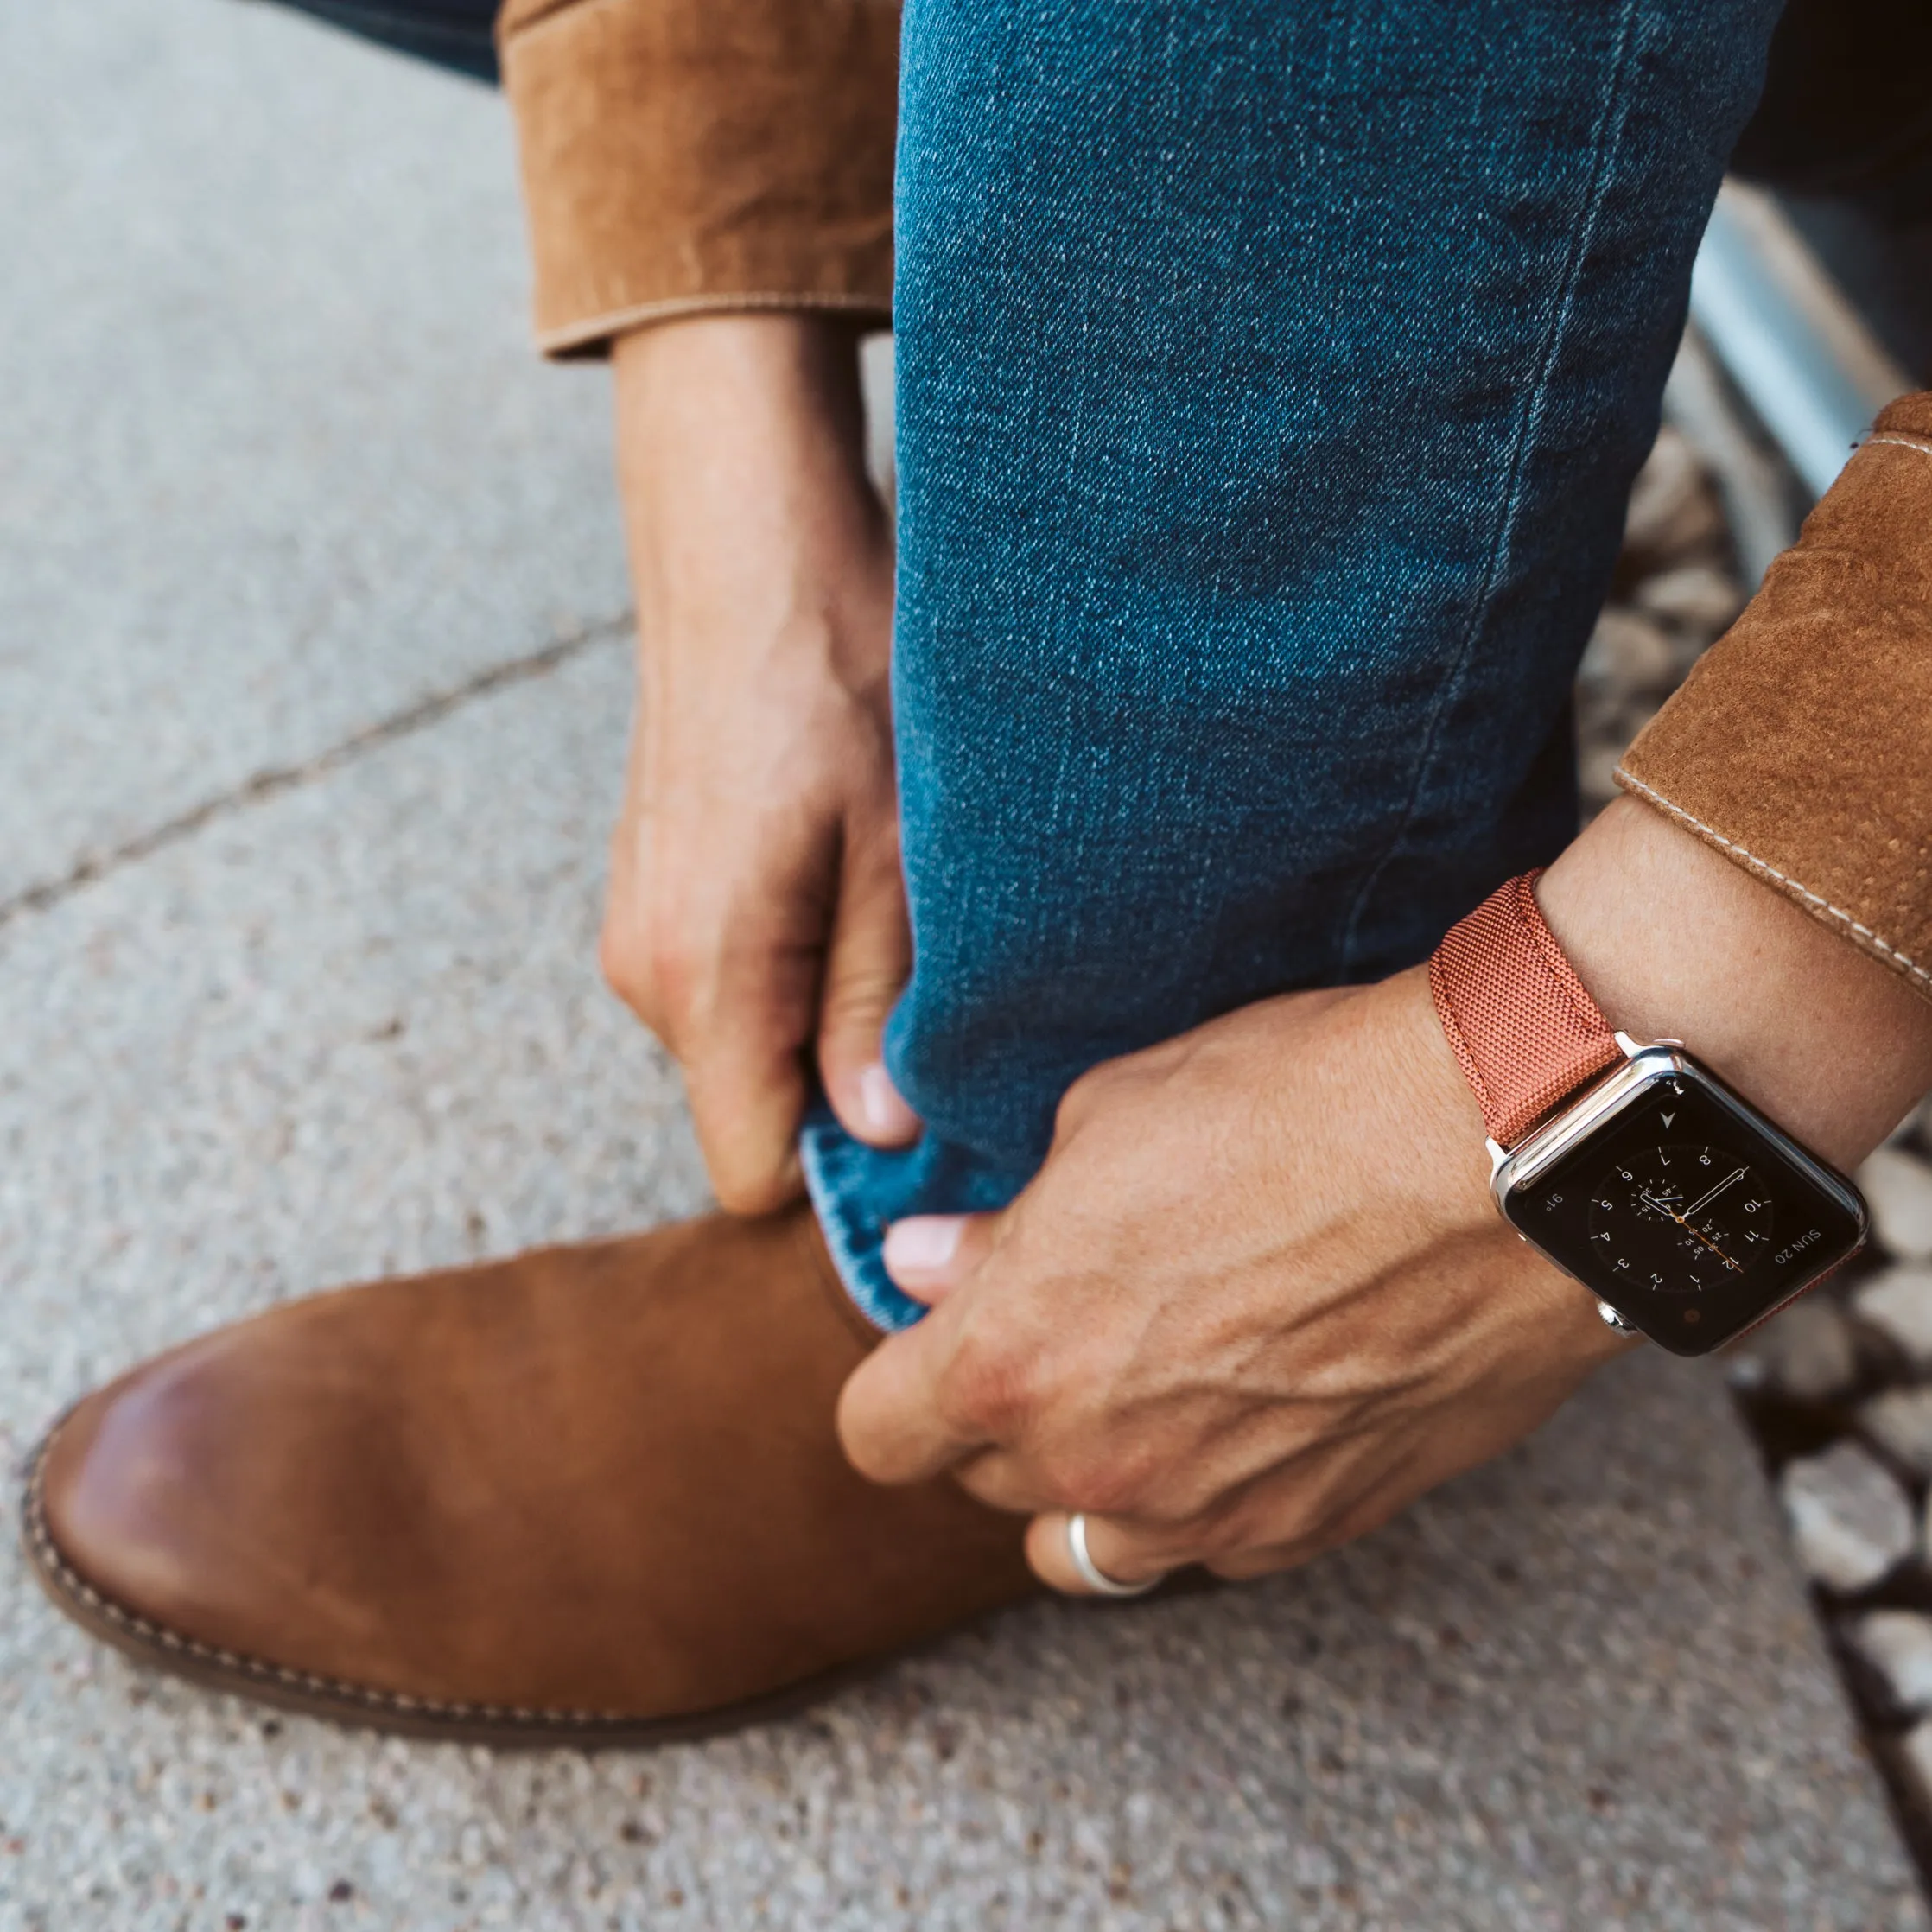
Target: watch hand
1733 1266
1736 1174
1645 1194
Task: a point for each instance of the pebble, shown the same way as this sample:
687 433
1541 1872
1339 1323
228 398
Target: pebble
1898 1644
1850 1517
1900 1422
1698 597
1897 1302
1673 507
1916 1751
1897 1187
1629 653
1808 1353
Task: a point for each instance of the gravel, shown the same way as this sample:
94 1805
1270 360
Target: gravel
1850 1518
1898 1645
1854 1452
1808 1353
1916 1751
1674 591
1897 1187
1674 512
1628 651
1697 598
1899 1421
1897 1302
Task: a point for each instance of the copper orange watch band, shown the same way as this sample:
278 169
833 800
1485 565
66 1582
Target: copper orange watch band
1525 1032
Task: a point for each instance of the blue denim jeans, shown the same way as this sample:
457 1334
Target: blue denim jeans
1271 381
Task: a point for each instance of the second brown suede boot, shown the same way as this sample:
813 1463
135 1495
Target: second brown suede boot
590 1494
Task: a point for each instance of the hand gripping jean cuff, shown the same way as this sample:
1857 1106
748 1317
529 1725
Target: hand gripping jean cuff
859 1192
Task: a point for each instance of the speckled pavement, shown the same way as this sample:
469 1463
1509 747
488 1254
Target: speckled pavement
282 492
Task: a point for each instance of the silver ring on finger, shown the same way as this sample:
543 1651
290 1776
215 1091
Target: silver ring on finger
1091 1572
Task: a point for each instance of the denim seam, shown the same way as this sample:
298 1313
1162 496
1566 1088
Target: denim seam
1606 139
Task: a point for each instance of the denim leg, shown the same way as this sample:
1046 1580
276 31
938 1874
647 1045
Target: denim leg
1271 382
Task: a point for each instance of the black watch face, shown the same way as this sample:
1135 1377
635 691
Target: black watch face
1687 1218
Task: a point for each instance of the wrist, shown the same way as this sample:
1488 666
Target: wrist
787 372
1674 941
1439 1173
741 457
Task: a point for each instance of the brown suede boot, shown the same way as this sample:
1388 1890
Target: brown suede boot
592 1494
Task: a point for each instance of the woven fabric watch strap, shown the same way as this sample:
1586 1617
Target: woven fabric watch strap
1525 1032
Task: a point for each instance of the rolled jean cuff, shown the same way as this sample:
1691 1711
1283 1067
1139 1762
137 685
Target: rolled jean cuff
859 1192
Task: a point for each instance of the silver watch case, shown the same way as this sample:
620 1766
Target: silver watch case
1598 1107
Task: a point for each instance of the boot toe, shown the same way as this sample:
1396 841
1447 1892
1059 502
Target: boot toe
129 1523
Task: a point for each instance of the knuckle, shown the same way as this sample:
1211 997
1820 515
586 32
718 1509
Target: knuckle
1116 1482
750 1192
751 1164
1107 1493
1080 1101
1163 1507
989 1390
669 968
1198 1496
1230 1523
618 960
1221 1533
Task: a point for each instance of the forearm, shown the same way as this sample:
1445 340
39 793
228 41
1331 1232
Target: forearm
747 423
1674 941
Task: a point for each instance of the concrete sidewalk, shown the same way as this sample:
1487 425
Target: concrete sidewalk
282 492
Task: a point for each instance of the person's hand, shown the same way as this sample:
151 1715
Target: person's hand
1258 1299
756 915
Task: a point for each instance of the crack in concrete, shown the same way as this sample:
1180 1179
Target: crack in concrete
279 778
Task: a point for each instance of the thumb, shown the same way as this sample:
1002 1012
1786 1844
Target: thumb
866 967
929 1255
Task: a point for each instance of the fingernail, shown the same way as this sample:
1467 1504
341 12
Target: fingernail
923 1243
881 1108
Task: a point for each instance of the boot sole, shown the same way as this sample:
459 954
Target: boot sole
357 1706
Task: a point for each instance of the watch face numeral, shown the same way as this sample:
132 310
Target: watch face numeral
1682 1214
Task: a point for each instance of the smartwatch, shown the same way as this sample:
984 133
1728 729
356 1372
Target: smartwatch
1688 1214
